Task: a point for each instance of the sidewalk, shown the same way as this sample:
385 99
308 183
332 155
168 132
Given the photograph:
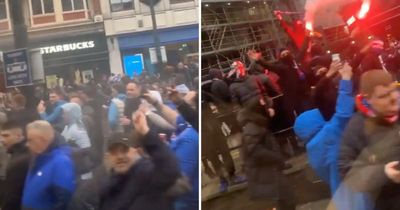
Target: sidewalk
311 193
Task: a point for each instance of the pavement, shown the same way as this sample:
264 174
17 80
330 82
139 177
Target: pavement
311 193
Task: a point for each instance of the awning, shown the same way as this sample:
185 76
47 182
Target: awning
166 36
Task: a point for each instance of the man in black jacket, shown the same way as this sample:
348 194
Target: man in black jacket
139 182
370 149
13 140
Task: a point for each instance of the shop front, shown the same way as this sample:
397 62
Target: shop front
75 59
175 44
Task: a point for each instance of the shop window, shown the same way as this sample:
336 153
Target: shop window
179 1
121 5
3 9
41 7
72 5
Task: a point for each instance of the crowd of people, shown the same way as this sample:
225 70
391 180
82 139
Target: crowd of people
120 143
343 108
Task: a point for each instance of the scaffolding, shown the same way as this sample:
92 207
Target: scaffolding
230 29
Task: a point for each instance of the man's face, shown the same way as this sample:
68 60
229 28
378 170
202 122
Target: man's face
122 158
132 90
385 100
53 98
37 142
10 137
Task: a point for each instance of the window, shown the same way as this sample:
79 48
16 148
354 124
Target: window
121 5
41 7
71 5
179 1
3 9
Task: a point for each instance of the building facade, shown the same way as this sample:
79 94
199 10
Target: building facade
128 27
69 35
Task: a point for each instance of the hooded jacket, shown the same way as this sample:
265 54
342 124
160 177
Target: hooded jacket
50 181
186 148
322 139
74 131
76 135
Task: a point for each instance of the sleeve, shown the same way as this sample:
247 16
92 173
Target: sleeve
81 138
190 115
54 116
187 154
276 68
272 91
63 183
165 170
160 122
344 103
113 115
355 170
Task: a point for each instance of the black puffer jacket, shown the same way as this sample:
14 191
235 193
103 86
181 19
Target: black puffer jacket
367 146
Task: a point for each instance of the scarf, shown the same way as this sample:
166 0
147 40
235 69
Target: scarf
365 108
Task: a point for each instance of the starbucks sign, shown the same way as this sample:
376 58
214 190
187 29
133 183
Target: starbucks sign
68 47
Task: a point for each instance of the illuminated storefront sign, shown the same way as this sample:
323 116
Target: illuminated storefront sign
68 47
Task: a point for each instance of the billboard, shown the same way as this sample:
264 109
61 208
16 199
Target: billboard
133 65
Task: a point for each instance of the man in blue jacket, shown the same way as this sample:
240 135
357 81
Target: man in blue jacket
50 181
321 130
55 117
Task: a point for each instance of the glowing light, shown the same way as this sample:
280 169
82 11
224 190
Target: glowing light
365 7
329 52
370 37
265 2
248 2
206 5
309 26
351 21
229 4
353 42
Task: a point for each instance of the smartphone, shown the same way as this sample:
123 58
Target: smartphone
336 57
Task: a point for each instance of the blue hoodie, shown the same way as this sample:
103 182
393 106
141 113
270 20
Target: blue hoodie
322 139
186 148
50 182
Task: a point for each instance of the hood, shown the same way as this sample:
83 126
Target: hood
308 124
74 113
121 96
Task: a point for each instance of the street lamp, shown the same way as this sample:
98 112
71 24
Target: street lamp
151 4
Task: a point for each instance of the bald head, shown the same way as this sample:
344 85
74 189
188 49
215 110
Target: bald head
40 135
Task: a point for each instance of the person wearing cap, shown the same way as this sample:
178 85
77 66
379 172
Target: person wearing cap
369 154
12 138
139 181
